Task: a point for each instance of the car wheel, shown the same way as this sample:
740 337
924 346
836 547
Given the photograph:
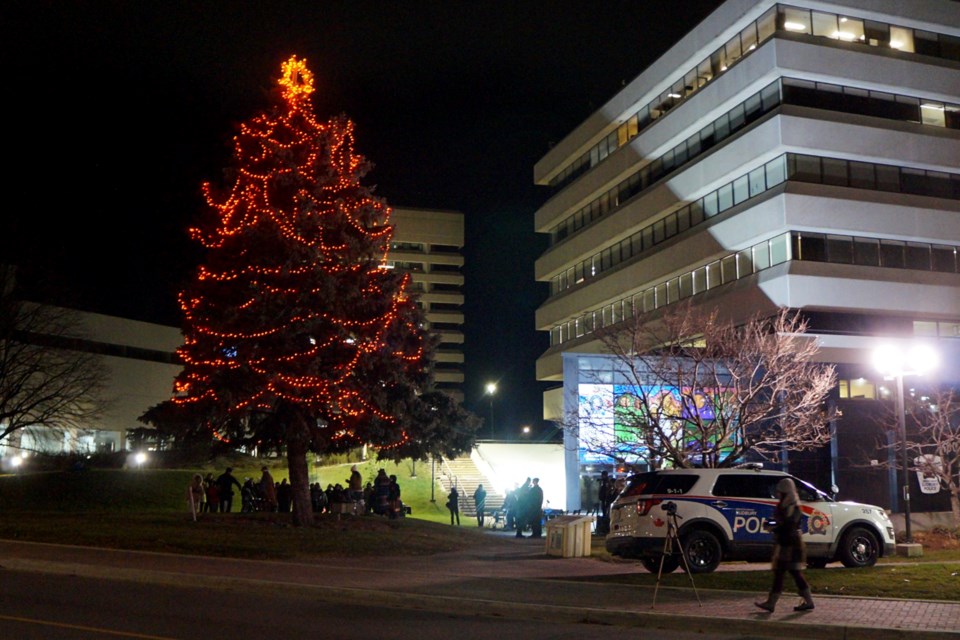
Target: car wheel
703 551
859 548
652 563
817 563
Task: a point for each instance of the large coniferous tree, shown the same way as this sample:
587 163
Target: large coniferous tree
297 335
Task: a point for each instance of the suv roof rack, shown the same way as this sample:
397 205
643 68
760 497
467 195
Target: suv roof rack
756 466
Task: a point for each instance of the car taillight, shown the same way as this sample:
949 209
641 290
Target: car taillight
644 505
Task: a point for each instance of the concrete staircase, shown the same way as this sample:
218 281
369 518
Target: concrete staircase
467 475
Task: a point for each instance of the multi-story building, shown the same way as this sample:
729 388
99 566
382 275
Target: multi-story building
429 245
140 365
803 155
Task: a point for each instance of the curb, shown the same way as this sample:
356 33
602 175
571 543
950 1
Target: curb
465 605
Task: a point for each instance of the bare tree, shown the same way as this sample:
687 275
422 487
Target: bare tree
47 381
933 441
692 390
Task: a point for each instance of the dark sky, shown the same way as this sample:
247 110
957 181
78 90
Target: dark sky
117 112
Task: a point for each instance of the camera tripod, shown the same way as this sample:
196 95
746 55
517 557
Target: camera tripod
672 538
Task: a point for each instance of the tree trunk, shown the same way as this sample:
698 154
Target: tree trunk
298 437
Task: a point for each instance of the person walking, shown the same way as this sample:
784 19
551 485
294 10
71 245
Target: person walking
789 554
453 504
480 502
534 509
225 484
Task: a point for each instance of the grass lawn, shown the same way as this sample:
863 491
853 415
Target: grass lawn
146 510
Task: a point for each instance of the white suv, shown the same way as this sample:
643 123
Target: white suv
720 515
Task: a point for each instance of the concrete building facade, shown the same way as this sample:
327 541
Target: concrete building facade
429 245
801 155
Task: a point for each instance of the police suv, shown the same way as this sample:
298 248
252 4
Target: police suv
720 514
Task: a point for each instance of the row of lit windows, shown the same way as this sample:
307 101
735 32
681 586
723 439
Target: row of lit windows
783 91
419 247
763 255
782 19
420 267
795 167
867 389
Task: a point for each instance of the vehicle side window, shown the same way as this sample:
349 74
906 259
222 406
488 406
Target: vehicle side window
736 485
675 484
806 492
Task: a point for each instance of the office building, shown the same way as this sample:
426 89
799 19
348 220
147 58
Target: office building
803 155
429 245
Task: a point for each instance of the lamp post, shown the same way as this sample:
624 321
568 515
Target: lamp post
895 362
490 390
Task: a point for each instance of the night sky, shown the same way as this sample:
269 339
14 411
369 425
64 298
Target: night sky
117 112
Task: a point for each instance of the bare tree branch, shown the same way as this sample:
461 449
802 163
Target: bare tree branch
693 390
46 379
933 440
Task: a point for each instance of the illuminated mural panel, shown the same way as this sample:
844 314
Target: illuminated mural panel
610 414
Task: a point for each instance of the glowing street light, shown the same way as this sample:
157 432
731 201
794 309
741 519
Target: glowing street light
491 390
894 361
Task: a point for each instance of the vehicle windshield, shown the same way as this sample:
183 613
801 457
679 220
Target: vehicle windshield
809 493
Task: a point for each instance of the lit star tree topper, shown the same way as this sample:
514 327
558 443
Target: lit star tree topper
296 335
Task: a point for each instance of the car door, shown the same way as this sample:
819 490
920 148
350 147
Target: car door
745 502
819 524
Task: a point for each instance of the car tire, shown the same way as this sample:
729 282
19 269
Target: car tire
703 551
859 548
652 563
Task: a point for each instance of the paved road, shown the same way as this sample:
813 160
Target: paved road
514 580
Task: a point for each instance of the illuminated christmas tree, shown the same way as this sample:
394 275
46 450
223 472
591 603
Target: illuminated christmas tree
297 335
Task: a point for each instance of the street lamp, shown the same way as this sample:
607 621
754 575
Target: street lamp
490 390
894 361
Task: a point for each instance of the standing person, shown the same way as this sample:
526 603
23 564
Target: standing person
394 497
789 554
521 519
268 490
225 484
453 504
535 509
510 507
355 484
195 495
606 494
212 503
480 501
284 496
381 493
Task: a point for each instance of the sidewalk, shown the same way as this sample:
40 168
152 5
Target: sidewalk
515 579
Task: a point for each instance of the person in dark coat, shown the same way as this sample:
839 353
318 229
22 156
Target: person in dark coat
521 519
480 502
453 504
789 554
284 496
606 494
534 509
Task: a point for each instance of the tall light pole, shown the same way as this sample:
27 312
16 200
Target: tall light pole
490 390
895 361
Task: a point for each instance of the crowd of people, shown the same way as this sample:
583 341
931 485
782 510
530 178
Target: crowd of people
209 494
522 506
